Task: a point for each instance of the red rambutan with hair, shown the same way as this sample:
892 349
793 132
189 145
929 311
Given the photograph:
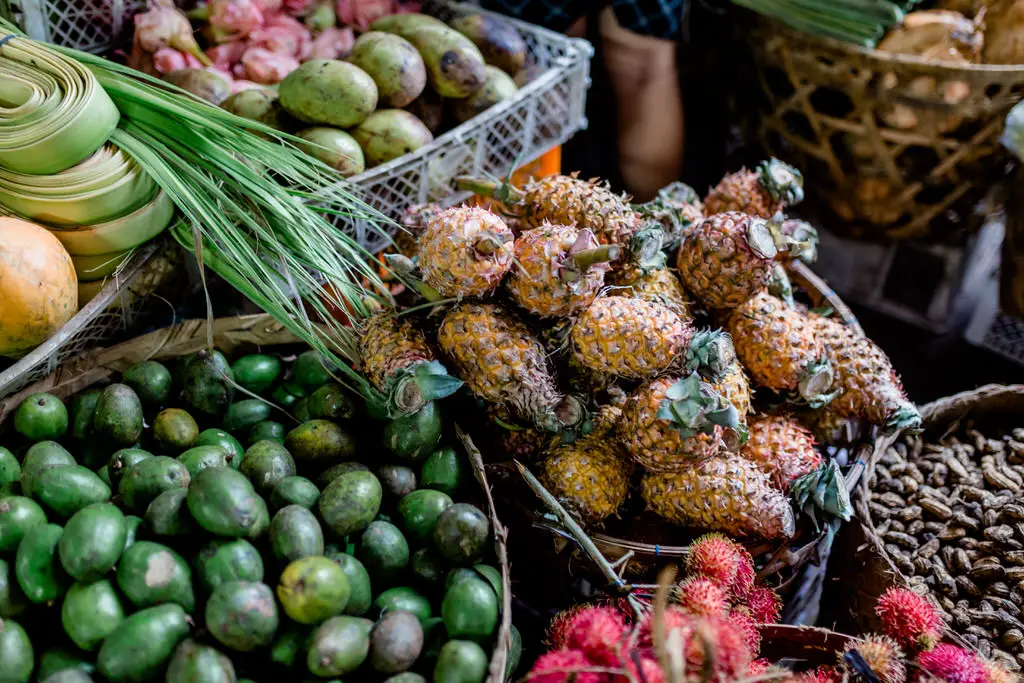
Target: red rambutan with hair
740 618
701 597
647 671
823 674
745 573
953 664
598 632
556 636
764 604
758 667
704 639
714 556
561 666
882 654
910 619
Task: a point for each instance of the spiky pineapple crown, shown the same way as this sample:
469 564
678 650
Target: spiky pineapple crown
645 248
668 208
816 386
783 182
823 490
694 407
710 354
806 234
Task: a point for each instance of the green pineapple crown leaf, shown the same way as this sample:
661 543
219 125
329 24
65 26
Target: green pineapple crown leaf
693 407
586 253
823 490
906 417
667 208
710 354
646 247
678 193
816 387
783 182
806 239
411 388
503 191
779 285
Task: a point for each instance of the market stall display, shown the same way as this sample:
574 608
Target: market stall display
127 468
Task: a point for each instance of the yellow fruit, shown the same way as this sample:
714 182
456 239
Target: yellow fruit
389 344
760 193
781 448
734 387
465 251
38 287
567 200
726 493
659 285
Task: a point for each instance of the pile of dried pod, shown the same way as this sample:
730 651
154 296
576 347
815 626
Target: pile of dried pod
951 517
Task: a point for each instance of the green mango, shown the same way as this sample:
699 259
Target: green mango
81 412
118 416
256 372
148 478
295 533
384 551
90 613
39 458
12 601
294 491
339 646
41 417
331 473
319 442
199 458
387 134
121 461
243 415
418 513
18 515
194 663
404 599
174 430
222 561
460 661
37 567
443 470
331 402
266 463
224 503
290 641
140 646
10 473
414 436
168 514
461 533
350 502
360 591
153 574
455 66
66 490
312 589
268 430
498 40
57 659
310 371
470 610
393 63
92 541
151 381
218 437
242 615
16 656
208 383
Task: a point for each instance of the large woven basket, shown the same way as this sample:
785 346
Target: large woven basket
124 302
241 334
892 146
869 570
796 568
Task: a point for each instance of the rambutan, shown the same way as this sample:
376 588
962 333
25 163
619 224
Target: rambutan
714 556
882 654
674 618
765 605
647 671
598 632
823 674
745 624
562 666
998 674
758 667
953 664
701 597
909 618
745 573
557 633
714 639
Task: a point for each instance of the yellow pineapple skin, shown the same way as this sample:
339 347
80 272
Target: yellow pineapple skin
735 388
741 191
716 264
726 494
389 344
871 390
567 200
660 285
591 475
629 337
535 284
781 448
657 444
449 259
498 359
776 344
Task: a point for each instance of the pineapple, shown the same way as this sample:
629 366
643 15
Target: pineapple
558 271
566 200
515 440
400 363
591 475
465 251
630 338
501 362
660 285
778 347
671 423
871 391
781 448
806 235
728 259
774 186
727 494
677 209
830 427
415 220
734 387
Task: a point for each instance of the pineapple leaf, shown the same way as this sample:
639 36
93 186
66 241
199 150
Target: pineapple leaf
412 388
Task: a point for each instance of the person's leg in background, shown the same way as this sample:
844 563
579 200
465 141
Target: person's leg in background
639 40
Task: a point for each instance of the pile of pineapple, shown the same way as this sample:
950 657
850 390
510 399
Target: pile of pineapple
597 360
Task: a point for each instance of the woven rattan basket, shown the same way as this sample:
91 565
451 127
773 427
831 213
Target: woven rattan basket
242 334
870 569
892 146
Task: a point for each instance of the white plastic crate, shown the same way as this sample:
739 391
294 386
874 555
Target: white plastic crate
546 112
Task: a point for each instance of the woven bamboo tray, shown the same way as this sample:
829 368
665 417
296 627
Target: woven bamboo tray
241 334
893 146
869 570
123 302
647 543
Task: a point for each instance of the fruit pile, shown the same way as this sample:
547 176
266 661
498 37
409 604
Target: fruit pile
593 357
950 516
298 66
711 634
140 540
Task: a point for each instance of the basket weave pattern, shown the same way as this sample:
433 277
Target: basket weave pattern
896 147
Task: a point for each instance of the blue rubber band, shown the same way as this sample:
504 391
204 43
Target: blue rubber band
858 461
657 550
3 41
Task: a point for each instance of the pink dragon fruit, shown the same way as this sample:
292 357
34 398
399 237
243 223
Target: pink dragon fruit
234 19
284 35
333 43
167 59
263 66
163 26
226 55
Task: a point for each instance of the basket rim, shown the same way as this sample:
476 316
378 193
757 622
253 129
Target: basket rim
893 58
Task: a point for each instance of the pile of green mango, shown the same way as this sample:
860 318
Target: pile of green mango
406 79
210 522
